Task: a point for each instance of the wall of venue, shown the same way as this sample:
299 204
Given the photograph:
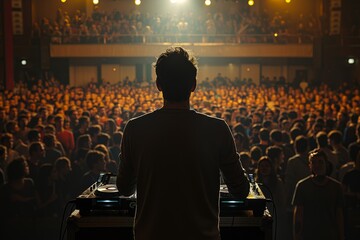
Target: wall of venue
115 73
82 75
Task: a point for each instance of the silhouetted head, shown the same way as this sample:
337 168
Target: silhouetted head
176 71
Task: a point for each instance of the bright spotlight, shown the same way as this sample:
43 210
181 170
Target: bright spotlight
63 1
95 2
276 34
177 1
137 2
23 62
251 2
351 60
288 1
207 2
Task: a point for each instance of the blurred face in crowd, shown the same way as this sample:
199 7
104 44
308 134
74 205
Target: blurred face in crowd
318 165
101 165
4 155
13 113
2 114
264 168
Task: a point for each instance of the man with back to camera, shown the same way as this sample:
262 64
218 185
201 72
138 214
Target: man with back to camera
173 156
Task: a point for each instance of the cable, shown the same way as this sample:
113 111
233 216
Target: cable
271 200
61 234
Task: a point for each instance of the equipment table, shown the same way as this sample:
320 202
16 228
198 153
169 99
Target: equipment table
242 226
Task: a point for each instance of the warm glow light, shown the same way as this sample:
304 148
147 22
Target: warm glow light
114 69
207 2
23 62
251 2
288 1
177 1
95 2
137 2
63 1
351 61
275 35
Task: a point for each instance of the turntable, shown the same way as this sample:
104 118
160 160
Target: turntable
102 198
107 190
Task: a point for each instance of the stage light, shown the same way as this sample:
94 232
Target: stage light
251 2
351 60
276 34
207 2
63 1
23 62
177 1
137 2
288 1
95 2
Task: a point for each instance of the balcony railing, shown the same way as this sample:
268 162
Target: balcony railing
183 38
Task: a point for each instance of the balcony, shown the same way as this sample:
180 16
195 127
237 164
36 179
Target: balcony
209 46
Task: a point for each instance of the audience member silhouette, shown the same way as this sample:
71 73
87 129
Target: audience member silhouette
17 202
318 203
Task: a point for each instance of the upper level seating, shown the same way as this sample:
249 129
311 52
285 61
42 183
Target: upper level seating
137 27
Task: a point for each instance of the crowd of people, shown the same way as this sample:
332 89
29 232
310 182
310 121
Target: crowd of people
138 27
56 140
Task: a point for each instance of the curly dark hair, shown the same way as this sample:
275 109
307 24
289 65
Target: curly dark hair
176 71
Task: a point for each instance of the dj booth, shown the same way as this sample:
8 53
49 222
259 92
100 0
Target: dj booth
120 228
102 213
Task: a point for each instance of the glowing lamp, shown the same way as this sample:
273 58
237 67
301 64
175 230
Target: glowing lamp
351 60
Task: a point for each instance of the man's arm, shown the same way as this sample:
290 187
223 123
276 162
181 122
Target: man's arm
126 178
289 182
298 222
232 171
298 219
340 213
340 222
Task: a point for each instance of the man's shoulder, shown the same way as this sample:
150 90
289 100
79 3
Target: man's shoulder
52 151
147 117
65 132
207 117
334 181
294 158
305 181
158 114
